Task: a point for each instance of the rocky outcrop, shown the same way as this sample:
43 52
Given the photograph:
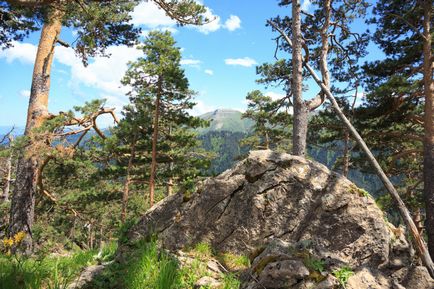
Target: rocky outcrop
271 197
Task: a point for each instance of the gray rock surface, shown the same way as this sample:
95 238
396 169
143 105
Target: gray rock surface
300 203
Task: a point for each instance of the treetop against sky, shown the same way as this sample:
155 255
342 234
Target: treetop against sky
219 59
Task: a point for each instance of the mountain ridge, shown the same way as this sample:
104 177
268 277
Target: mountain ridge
225 119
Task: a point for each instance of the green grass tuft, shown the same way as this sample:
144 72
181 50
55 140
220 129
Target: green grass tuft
343 274
48 272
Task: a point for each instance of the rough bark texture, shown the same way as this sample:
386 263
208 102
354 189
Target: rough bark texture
128 181
325 44
428 144
23 199
154 150
169 186
301 112
272 198
346 156
418 241
6 188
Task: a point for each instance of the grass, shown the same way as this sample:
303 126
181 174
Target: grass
48 272
147 267
151 269
234 262
202 249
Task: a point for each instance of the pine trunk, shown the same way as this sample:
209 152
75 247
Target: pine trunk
346 157
169 187
417 239
267 141
125 194
325 44
428 144
154 147
300 110
8 176
23 199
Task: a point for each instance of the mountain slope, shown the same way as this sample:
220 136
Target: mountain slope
226 120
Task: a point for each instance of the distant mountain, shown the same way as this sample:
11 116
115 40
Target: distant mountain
227 129
226 120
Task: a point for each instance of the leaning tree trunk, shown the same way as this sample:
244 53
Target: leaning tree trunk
418 241
154 146
346 156
23 198
301 113
428 142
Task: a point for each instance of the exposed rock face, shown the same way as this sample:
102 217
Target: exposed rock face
282 198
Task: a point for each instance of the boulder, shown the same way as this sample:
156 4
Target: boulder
274 204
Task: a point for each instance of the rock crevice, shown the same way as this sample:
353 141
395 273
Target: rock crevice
272 197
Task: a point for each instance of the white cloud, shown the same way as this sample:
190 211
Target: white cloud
275 95
306 5
23 52
246 61
209 72
201 108
213 25
102 73
150 15
25 93
233 23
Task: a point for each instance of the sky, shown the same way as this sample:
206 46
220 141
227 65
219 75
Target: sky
219 59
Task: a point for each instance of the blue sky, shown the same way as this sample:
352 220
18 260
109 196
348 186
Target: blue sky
219 59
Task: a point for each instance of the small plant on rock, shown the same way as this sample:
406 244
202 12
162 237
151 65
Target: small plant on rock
343 274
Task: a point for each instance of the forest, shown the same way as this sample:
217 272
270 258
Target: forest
149 172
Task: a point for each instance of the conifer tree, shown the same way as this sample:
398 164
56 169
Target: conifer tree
400 99
327 40
271 119
161 98
99 25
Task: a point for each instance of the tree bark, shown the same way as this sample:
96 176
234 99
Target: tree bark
23 199
267 140
428 143
418 241
169 185
6 188
154 146
125 194
299 131
346 157
323 64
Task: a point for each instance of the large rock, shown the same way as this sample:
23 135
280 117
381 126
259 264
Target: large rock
273 196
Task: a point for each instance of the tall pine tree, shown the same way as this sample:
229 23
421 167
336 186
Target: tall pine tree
400 99
99 24
161 99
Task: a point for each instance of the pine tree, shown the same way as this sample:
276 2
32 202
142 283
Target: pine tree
161 98
326 40
400 101
101 24
271 119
